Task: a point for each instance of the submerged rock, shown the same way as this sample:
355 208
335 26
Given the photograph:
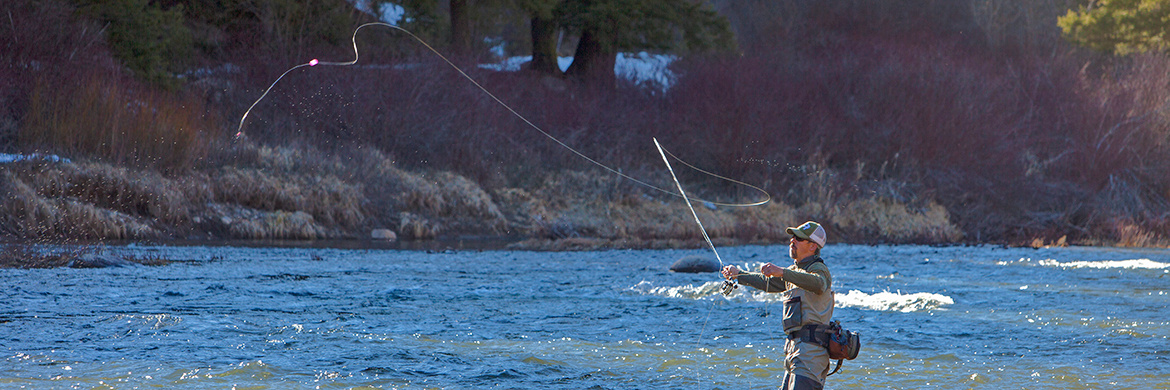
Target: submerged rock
695 264
100 261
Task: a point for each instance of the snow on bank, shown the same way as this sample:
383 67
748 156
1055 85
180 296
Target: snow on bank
644 69
6 158
387 12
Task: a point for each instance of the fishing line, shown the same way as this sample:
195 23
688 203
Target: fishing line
314 62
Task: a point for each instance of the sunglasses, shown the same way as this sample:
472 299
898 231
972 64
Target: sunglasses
799 239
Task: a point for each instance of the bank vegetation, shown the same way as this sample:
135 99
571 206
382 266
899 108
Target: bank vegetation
906 122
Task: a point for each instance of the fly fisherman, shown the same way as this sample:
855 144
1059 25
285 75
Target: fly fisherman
808 305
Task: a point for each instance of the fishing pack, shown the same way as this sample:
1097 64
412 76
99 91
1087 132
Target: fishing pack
842 344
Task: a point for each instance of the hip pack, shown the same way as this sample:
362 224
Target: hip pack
842 344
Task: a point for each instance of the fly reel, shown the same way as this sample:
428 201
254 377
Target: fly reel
729 287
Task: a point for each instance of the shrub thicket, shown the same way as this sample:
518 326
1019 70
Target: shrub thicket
900 121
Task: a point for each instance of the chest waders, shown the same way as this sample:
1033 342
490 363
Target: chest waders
808 318
806 315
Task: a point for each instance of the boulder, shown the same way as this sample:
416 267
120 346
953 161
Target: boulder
383 234
695 264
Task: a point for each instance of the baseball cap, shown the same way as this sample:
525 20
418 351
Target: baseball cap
809 231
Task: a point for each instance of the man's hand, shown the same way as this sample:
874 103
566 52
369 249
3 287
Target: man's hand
730 272
771 270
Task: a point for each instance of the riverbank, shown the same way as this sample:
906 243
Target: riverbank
254 192
302 197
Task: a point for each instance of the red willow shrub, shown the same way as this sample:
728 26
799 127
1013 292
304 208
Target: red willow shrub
1012 143
1001 140
428 116
70 96
103 119
42 40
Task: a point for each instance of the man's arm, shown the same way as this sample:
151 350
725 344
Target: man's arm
761 282
816 280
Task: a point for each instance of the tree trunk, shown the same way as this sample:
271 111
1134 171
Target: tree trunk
593 62
544 46
460 27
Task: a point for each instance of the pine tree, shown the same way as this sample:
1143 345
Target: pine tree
608 27
1119 26
544 29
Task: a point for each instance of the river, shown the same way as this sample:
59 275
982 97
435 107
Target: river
309 318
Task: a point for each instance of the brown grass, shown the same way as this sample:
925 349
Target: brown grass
131 191
632 216
877 219
278 225
327 199
28 214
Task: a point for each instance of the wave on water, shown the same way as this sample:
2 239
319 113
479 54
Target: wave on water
893 301
689 291
1126 264
882 301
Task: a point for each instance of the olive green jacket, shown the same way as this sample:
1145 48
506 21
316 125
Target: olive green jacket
808 274
806 289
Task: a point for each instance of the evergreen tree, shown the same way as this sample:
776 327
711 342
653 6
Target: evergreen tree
544 32
151 41
607 27
460 12
1119 26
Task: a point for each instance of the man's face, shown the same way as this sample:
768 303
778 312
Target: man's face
799 248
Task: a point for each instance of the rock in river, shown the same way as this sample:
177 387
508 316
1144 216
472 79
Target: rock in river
99 261
695 264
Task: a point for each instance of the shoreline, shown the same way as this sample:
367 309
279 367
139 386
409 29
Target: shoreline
289 197
20 254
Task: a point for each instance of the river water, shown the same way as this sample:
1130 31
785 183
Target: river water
303 318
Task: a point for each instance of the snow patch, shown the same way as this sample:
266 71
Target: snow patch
644 69
387 12
11 158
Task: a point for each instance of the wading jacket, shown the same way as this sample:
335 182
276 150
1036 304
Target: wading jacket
807 292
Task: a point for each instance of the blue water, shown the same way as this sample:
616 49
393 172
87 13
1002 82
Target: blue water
298 318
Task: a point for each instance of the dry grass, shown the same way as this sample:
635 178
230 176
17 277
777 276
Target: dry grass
878 219
29 214
278 225
425 205
1132 235
136 192
326 198
632 217
577 210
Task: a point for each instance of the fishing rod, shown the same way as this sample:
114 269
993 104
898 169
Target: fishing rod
728 286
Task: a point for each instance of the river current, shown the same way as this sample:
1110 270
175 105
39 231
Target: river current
299 318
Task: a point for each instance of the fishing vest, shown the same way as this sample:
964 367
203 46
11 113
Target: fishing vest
802 307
